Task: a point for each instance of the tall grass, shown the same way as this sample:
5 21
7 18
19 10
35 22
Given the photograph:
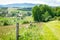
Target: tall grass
49 31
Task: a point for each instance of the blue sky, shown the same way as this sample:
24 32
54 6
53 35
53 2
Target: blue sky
49 2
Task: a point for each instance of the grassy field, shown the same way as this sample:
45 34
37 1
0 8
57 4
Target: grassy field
38 31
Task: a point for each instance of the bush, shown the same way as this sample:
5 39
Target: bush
32 33
6 21
59 18
25 22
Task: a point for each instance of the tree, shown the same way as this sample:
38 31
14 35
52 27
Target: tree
3 12
46 16
42 13
36 12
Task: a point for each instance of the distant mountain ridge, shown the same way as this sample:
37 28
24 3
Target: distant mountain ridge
19 5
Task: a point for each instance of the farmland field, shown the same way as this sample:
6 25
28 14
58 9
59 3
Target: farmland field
38 31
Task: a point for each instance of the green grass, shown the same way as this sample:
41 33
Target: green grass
7 20
39 31
11 21
28 18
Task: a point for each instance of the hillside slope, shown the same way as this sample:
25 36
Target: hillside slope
44 31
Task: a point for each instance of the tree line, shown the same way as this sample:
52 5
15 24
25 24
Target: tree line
44 13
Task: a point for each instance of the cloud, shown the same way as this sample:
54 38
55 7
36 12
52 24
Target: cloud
49 2
52 2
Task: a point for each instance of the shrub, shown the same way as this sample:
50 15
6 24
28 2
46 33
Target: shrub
25 22
6 21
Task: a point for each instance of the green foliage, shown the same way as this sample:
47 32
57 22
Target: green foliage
25 22
3 12
56 11
31 34
45 13
46 16
6 21
46 31
36 13
28 14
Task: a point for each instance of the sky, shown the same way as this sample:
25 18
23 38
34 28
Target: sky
49 2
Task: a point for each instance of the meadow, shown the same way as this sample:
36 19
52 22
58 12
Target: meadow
38 31
45 23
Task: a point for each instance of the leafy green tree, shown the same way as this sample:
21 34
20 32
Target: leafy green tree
46 16
43 13
36 13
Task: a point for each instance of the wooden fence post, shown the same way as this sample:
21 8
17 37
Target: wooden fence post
17 31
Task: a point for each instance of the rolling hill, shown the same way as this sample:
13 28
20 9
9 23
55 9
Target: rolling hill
22 5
